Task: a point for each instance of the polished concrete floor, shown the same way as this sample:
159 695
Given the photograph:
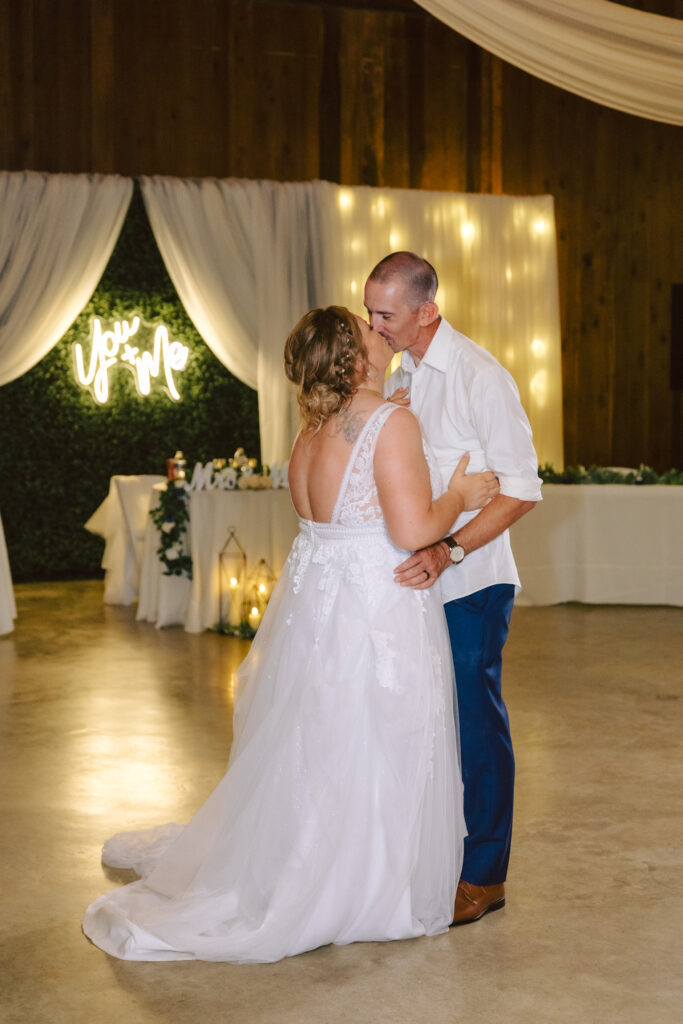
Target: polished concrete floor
108 724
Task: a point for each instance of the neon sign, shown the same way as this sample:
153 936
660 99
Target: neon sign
111 348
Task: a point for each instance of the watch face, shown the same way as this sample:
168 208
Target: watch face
457 554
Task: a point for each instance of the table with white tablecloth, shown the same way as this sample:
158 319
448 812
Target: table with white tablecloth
265 525
602 544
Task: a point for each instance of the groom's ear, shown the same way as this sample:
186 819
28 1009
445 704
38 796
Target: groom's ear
427 314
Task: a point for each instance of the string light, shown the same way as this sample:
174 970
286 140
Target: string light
345 200
467 231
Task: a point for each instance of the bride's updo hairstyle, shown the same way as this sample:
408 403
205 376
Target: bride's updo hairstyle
325 356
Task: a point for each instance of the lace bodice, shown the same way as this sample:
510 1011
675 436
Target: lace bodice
358 501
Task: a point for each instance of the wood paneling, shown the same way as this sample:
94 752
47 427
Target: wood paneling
377 93
618 187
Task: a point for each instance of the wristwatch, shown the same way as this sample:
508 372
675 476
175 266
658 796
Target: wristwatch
457 551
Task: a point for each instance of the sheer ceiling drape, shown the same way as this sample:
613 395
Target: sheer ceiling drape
57 232
622 58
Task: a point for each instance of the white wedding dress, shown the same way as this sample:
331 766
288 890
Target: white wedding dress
340 816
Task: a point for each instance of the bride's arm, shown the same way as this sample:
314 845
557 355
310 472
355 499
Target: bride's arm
413 519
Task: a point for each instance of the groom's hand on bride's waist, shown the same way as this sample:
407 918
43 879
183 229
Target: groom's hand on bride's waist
423 567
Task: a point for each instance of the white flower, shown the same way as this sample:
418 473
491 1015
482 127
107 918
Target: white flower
167 527
173 553
227 479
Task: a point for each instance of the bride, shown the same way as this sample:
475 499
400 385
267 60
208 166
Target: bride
340 816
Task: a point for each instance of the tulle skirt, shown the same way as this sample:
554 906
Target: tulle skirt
340 816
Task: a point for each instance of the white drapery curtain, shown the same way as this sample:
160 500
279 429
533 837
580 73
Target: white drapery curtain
622 58
57 232
248 258
238 253
496 260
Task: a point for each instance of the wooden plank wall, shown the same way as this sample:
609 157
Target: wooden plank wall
381 94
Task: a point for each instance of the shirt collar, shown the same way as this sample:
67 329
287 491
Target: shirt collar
436 355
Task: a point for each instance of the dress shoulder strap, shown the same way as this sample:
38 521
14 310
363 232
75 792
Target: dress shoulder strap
362 454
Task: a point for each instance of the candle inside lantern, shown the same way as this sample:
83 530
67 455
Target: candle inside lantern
254 617
235 601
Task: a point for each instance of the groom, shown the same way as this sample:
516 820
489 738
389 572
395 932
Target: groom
466 402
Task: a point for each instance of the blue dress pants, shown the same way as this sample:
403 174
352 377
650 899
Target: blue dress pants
478 626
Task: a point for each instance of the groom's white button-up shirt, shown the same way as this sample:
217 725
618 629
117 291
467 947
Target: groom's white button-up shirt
468 403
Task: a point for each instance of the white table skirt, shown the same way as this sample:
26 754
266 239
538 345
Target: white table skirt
122 520
602 544
8 609
265 525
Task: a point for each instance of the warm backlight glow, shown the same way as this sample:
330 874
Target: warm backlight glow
111 348
538 387
345 200
467 231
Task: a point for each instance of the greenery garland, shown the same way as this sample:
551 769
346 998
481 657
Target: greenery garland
171 517
597 475
244 631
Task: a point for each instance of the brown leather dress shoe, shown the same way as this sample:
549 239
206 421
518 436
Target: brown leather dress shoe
473 901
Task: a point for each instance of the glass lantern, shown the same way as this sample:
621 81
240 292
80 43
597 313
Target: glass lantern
260 583
232 581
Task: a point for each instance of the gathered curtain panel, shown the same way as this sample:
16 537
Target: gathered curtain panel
248 258
496 260
619 57
238 253
57 232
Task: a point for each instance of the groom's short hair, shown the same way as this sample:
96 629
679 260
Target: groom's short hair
417 275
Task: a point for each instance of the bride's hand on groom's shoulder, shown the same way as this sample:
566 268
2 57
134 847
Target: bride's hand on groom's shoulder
401 396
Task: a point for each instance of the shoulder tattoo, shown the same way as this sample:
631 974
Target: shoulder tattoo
349 424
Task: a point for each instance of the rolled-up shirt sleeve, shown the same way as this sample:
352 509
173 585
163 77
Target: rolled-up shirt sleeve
505 433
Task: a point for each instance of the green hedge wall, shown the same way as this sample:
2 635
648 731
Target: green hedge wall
58 448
